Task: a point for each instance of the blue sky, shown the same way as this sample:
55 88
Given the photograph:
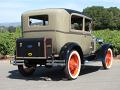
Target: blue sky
11 10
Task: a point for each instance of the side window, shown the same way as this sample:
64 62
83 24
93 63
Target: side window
87 25
76 22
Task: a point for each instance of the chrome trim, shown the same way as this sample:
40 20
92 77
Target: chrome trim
17 62
31 58
55 63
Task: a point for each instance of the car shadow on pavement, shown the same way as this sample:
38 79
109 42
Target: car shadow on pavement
52 74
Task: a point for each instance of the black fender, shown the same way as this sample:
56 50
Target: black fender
101 52
68 47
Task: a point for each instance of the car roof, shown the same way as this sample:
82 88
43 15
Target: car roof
70 11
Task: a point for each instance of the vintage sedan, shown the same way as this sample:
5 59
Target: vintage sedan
58 37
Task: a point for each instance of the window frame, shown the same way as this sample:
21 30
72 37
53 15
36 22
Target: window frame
74 30
90 29
38 25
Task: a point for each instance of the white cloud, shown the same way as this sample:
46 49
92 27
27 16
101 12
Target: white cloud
111 1
103 0
10 5
74 6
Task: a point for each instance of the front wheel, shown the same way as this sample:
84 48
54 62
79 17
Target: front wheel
26 70
107 63
73 65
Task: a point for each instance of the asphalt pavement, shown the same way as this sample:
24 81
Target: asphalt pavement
92 77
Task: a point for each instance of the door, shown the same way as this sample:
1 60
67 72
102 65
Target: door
88 36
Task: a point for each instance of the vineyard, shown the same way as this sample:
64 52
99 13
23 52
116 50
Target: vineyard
110 36
7 40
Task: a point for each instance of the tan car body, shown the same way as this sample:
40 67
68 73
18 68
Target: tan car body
58 37
58 29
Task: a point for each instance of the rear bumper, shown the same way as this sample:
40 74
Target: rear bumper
47 62
23 58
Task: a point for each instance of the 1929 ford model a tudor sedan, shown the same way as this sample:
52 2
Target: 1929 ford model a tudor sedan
58 37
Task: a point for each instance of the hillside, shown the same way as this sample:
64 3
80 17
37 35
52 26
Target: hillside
15 24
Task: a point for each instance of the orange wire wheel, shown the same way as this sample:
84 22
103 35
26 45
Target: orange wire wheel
73 65
108 59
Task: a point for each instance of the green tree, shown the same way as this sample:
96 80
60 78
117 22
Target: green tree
115 18
11 29
104 18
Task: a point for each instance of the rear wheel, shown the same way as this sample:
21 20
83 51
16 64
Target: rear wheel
73 65
107 63
26 70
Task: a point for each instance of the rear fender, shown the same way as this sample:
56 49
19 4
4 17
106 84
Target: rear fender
71 46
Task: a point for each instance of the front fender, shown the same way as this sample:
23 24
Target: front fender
101 52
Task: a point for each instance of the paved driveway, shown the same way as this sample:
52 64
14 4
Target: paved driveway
93 77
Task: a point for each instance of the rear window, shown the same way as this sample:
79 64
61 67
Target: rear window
38 20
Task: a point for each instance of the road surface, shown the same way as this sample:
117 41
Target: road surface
92 77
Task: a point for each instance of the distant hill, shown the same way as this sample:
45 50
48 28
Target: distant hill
10 24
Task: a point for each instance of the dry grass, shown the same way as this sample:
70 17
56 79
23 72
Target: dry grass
118 57
6 57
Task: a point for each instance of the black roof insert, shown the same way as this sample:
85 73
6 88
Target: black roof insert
72 11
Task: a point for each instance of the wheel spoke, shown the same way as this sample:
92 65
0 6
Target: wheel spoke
74 64
108 58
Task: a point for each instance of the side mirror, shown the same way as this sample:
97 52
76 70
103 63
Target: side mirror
99 40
